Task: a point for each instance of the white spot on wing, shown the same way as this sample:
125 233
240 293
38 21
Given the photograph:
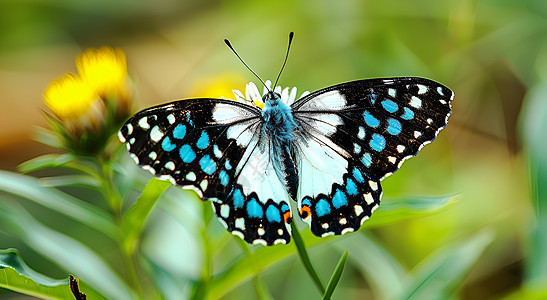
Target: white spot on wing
240 133
361 133
415 102
368 198
330 100
203 184
121 137
170 165
326 123
191 176
171 118
358 210
156 134
143 123
224 211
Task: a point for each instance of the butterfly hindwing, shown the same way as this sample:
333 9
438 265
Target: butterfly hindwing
361 130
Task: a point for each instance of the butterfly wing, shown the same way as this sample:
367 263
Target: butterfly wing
212 147
353 135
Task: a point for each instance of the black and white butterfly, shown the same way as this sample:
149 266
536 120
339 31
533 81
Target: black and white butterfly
328 151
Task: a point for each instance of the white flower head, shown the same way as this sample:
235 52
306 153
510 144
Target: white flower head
254 97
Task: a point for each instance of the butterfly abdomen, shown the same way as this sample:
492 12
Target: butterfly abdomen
278 129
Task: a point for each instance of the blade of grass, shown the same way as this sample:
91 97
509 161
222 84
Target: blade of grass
439 275
335 278
305 258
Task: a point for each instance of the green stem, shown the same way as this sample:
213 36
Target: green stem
114 200
305 258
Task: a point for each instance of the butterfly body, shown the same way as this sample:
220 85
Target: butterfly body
328 151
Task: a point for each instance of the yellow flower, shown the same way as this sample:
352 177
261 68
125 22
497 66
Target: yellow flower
104 69
69 97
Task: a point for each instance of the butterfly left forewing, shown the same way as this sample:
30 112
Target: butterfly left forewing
193 143
367 129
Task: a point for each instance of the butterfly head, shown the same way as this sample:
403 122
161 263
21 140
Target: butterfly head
272 98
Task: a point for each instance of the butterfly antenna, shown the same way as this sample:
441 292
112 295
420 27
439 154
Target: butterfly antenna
291 35
233 50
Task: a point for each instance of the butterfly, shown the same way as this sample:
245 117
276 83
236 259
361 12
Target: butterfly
328 151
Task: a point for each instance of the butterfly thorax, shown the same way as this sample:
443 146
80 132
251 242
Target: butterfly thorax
278 119
278 132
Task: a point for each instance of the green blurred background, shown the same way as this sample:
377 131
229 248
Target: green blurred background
492 54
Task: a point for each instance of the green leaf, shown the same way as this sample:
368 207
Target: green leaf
32 189
398 209
383 272
64 251
67 161
439 275
533 123
15 275
71 180
136 216
335 278
305 258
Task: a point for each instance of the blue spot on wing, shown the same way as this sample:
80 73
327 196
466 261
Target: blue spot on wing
378 142
370 119
254 210
339 199
272 214
207 165
179 132
409 115
187 154
351 188
390 106
224 178
358 176
322 207
167 145
366 160
227 165
238 199
394 127
203 140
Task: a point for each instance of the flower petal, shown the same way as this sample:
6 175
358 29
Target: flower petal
292 96
252 91
239 95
